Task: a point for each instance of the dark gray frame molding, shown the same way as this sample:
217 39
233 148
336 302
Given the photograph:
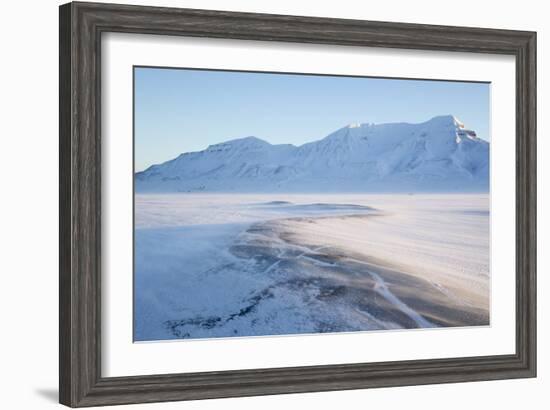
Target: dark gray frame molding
81 27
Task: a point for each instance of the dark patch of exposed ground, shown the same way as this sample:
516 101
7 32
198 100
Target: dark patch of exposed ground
341 279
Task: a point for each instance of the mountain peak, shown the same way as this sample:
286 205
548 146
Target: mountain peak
250 140
446 120
240 143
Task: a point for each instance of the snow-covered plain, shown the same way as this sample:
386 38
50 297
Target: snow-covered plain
220 265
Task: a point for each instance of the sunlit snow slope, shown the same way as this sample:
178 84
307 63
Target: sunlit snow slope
436 155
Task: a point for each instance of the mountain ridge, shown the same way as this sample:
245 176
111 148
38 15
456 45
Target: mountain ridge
436 155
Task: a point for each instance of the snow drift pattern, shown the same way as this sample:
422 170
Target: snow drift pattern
436 155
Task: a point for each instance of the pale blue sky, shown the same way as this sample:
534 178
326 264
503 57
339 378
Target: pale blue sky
183 110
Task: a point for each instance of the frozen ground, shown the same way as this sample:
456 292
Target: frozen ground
219 265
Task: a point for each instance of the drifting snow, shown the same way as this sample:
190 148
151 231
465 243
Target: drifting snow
214 265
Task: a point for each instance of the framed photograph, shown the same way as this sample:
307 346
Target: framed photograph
259 204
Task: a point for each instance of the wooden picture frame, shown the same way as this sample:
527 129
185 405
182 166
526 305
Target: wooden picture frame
81 28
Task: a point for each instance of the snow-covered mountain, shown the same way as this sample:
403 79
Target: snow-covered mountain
436 155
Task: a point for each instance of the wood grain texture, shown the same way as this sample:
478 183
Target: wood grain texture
81 26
